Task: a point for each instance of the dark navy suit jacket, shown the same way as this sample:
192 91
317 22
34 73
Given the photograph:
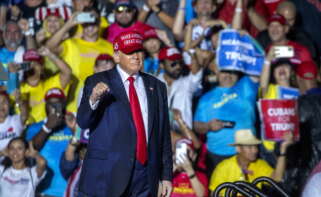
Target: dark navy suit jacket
111 150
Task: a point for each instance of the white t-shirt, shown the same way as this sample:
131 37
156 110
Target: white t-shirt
197 32
180 94
19 183
313 187
10 128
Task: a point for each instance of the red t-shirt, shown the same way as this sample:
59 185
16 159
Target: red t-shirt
301 53
182 186
271 5
114 30
226 14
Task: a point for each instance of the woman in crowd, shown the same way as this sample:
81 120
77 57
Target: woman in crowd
17 177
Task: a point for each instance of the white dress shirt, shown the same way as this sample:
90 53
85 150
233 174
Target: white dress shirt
141 93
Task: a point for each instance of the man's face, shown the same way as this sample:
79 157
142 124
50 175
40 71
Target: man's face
124 15
248 152
204 7
277 31
130 63
152 45
53 24
227 78
173 68
80 5
12 36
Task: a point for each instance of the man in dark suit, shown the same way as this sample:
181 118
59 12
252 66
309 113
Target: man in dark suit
129 151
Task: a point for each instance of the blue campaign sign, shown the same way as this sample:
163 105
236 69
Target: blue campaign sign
288 93
239 52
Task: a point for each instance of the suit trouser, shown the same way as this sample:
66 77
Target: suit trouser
138 184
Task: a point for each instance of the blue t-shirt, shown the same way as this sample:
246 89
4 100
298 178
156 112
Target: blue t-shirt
53 184
7 57
189 11
151 65
236 103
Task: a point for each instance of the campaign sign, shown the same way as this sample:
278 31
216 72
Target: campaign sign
279 116
239 52
288 93
82 135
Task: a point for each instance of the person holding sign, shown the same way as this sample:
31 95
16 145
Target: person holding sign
223 110
245 166
275 80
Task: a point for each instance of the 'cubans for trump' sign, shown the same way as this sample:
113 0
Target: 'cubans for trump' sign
278 116
239 52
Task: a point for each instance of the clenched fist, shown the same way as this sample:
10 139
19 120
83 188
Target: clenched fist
99 90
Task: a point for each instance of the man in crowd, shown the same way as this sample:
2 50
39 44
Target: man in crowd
125 20
51 137
180 89
306 76
12 37
287 9
245 166
278 29
228 107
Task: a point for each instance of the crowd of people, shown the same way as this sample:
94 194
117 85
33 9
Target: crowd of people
48 48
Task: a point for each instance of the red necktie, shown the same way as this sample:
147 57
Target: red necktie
141 147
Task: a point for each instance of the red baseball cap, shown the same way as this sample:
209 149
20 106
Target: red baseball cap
32 55
128 42
55 93
104 56
277 18
150 33
307 70
169 54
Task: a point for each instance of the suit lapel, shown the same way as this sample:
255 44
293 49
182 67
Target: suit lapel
150 94
118 90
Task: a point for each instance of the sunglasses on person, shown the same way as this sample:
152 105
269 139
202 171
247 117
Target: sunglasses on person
175 63
123 8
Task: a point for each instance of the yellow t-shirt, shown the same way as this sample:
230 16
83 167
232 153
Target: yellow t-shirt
229 171
80 55
36 96
272 92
